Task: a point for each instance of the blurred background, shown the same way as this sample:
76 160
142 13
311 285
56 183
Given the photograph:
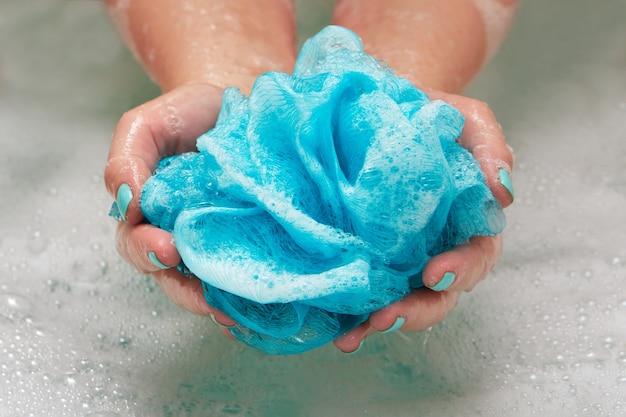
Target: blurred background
82 334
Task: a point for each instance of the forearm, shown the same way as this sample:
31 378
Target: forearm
222 42
439 44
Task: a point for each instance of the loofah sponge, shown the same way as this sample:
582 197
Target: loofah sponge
320 197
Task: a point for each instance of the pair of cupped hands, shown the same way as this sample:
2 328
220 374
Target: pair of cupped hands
171 123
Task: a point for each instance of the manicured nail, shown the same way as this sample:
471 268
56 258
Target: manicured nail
223 326
446 281
505 180
214 320
124 195
156 261
398 323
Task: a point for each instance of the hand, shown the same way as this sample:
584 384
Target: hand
449 274
162 127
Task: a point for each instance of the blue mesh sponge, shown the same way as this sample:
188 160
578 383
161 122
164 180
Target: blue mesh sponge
320 197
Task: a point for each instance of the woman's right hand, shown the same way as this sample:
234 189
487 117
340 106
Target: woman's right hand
167 125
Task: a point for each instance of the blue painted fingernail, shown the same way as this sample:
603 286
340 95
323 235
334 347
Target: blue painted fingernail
223 326
124 196
398 323
505 180
446 281
156 261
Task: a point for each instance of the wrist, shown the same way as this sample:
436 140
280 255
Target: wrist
435 44
221 42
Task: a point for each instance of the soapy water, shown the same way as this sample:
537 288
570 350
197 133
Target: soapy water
83 334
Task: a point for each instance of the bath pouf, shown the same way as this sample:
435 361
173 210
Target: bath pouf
320 197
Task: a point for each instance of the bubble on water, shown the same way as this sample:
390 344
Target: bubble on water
37 243
90 270
608 342
52 284
232 409
14 305
70 380
124 341
85 366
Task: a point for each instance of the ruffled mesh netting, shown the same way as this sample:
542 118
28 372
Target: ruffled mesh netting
319 198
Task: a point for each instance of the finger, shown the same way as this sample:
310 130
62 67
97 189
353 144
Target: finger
464 266
352 340
449 273
482 136
419 310
152 251
164 126
186 292
146 247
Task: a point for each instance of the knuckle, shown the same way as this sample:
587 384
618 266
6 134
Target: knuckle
172 122
130 116
479 109
110 172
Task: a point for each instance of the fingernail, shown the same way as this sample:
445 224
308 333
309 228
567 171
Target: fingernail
398 323
505 180
214 320
124 195
156 261
446 281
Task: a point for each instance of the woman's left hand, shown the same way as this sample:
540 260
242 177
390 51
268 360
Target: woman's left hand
449 274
